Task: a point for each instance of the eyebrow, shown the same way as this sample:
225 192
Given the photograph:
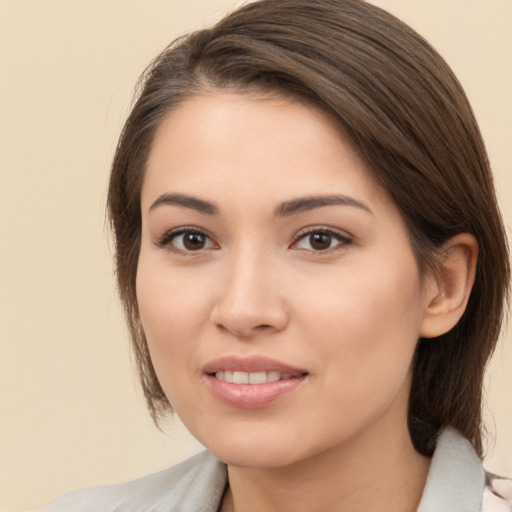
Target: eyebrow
187 202
303 204
285 209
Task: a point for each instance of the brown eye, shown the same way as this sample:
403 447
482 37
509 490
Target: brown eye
320 241
187 240
194 241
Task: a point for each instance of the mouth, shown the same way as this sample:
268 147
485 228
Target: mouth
240 377
252 383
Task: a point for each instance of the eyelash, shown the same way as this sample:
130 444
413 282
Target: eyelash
170 236
342 238
166 240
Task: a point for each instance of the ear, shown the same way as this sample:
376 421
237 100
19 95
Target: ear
447 293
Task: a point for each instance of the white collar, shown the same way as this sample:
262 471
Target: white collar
456 479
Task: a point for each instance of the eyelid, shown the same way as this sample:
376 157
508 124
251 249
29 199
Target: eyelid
165 241
343 237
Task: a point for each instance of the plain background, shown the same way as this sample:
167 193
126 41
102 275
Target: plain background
71 414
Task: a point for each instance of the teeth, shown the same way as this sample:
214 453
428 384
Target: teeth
240 378
251 377
258 378
273 376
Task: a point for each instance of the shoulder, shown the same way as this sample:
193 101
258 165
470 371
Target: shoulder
196 484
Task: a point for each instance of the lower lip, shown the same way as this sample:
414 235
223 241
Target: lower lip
252 396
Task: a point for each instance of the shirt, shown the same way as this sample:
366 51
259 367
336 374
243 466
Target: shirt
455 483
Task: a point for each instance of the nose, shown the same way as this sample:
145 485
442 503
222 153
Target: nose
250 303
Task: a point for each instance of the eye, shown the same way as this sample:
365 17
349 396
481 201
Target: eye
186 240
321 240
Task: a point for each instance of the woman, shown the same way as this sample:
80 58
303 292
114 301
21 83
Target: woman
312 263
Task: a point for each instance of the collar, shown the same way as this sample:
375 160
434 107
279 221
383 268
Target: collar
456 480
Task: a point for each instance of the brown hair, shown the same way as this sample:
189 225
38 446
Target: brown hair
405 112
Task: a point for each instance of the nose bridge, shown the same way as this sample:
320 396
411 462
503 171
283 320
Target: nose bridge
250 301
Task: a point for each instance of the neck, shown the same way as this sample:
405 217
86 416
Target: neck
368 470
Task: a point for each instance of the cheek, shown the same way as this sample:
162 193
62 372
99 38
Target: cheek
367 324
172 313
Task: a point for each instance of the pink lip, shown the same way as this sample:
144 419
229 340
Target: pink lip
251 396
250 364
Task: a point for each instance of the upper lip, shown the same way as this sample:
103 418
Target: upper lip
250 364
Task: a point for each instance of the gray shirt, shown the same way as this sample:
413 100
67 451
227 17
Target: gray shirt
455 483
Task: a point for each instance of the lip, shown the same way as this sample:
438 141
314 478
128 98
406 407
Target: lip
252 396
250 364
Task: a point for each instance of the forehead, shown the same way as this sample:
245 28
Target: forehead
221 143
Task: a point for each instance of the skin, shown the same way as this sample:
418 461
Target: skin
349 315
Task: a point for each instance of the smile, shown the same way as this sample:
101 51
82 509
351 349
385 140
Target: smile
239 377
252 382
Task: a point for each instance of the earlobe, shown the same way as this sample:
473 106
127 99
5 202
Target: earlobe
447 295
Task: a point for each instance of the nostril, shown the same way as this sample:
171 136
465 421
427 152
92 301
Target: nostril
263 327
245 331
248 322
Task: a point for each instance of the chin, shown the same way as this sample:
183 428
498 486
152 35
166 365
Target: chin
253 455
251 447
264 446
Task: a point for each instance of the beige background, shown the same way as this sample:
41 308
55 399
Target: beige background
71 414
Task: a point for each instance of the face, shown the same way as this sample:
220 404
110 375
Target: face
276 283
